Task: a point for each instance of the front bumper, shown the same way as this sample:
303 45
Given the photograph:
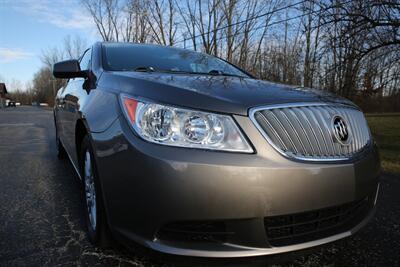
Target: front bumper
147 187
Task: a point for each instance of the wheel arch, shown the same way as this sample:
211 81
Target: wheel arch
82 130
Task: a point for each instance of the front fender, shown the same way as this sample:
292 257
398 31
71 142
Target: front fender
99 110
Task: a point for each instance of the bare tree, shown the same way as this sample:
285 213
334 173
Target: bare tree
311 29
347 47
162 21
74 48
230 12
106 15
52 55
135 22
44 85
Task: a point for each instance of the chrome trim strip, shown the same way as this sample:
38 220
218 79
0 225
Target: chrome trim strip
70 159
377 193
252 112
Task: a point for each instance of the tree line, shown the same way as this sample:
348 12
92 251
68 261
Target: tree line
351 48
44 86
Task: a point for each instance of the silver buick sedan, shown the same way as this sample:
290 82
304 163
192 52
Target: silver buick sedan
184 153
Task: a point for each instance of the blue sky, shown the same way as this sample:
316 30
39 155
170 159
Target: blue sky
27 27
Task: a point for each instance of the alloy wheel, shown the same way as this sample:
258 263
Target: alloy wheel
90 191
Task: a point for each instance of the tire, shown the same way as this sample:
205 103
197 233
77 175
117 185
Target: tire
96 220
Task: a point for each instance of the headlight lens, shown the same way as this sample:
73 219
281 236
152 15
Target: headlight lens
183 127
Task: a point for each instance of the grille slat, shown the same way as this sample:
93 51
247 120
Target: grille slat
302 227
321 138
354 145
314 136
303 134
327 134
318 219
285 132
273 131
294 133
337 146
305 131
310 151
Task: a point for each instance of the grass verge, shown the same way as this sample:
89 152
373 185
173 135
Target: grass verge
386 132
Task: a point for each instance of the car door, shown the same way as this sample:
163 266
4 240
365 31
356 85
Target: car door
73 97
58 111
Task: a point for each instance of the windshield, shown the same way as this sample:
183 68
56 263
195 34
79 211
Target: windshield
136 57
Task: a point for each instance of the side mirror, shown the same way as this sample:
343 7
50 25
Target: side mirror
68 69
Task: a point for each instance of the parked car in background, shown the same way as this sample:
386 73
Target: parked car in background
187 154
11 103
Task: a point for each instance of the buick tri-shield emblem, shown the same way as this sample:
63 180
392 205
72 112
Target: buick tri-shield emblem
340 130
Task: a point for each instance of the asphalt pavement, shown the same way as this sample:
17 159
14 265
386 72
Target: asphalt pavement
42 222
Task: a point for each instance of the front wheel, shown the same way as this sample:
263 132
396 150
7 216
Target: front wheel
94 209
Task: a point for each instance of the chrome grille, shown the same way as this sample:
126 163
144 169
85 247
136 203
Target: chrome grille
305 131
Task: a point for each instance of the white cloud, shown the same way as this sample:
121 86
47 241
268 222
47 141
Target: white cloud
8 55
63 14
76 20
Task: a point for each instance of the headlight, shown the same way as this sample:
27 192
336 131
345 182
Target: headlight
173 126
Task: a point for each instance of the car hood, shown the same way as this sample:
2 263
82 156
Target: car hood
213 93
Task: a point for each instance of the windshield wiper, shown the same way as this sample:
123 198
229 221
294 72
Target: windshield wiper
221 73
215 72
144 69
211 72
